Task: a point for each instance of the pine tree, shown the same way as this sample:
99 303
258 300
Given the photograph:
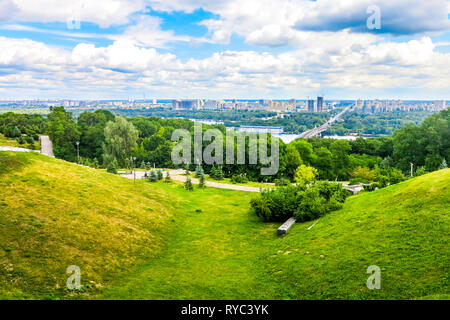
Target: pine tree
167 179
443 165
159 174
198 171
188 184
153 176
142 164
201 183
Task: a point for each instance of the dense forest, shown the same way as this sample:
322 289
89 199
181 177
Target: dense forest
146 142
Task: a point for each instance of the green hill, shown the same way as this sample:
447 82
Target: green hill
134 239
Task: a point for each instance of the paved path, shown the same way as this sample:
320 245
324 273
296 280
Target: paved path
177 175
16 149
46 146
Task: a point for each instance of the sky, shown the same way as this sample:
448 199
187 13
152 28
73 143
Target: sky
224 49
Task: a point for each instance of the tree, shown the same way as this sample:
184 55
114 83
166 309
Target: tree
120 138
443 165
159 174
291 161
188 184
363 173
153 176
201 183
198 171
112 167
340 150
63 132
167 179
305 174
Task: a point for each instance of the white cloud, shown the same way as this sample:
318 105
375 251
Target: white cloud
126 67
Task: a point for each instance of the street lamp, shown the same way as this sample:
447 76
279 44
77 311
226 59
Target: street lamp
78 151
133 167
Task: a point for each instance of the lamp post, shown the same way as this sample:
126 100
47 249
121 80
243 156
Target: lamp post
78 152
133 167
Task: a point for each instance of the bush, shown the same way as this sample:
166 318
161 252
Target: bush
112 167
201 182
216 173
239 178
364 174
302 202
198 171
167 179
159 175
282 182
357 181
188 184
153 177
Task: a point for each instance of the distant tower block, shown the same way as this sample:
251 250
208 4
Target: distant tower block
319 104
310 105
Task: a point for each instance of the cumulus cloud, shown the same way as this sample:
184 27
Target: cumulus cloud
124 65
7 10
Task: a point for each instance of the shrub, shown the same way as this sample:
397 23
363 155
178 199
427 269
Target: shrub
305 174
354 181
363 173
188 184
198 171
153 177
239 178
201 183
159 175
302 202
112 167
167 179
216 173
282 182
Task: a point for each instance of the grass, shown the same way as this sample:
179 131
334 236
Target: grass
54 214
8 142
228 181
141 240
219 251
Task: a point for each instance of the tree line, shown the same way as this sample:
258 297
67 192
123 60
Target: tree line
105 138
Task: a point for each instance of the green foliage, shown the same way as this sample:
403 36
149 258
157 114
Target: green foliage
217 173
239 178
159 174
112 166
420 171
188 184
63 132
201 181
167 178
153 176
198 171
364 174
120 138
305 174
282 182
302 202
443 165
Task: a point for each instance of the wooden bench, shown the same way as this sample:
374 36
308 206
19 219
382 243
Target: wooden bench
282 230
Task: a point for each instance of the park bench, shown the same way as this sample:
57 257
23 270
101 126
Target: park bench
282 230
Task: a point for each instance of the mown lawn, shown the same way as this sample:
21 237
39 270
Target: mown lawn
220 251
54 214
142 240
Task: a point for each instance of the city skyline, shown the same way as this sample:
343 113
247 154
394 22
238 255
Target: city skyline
129 50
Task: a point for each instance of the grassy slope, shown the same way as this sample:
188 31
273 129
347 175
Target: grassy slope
142 240
54 214
223 252
7 142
